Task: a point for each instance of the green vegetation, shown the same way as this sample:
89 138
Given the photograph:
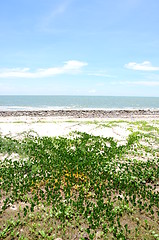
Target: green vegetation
80 187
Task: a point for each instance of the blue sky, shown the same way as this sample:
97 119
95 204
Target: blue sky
79 47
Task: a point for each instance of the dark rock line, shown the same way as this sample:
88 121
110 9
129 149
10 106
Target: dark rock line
83 113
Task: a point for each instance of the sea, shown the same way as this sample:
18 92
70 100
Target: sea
31 103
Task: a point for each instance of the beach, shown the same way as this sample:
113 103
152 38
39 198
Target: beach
105 123
52 160
60 115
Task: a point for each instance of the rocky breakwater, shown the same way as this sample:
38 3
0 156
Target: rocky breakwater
84 113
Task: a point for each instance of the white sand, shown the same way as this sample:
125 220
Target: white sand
50 126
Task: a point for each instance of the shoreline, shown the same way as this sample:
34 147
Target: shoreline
124 113
62 123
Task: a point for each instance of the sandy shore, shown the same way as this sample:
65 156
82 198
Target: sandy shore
114 124
48 126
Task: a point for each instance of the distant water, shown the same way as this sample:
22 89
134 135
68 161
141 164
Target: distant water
14 103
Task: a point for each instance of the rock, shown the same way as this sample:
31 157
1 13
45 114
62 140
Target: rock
82 113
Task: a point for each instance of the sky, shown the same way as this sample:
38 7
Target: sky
79 47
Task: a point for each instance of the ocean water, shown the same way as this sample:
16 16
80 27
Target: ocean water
13 103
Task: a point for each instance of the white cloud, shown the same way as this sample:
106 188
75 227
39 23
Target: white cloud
92 91
55 11
99 75
69 67
142 83
145 66
59 9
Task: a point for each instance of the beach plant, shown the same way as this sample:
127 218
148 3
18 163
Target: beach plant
78 187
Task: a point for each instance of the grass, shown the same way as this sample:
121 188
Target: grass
80 187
